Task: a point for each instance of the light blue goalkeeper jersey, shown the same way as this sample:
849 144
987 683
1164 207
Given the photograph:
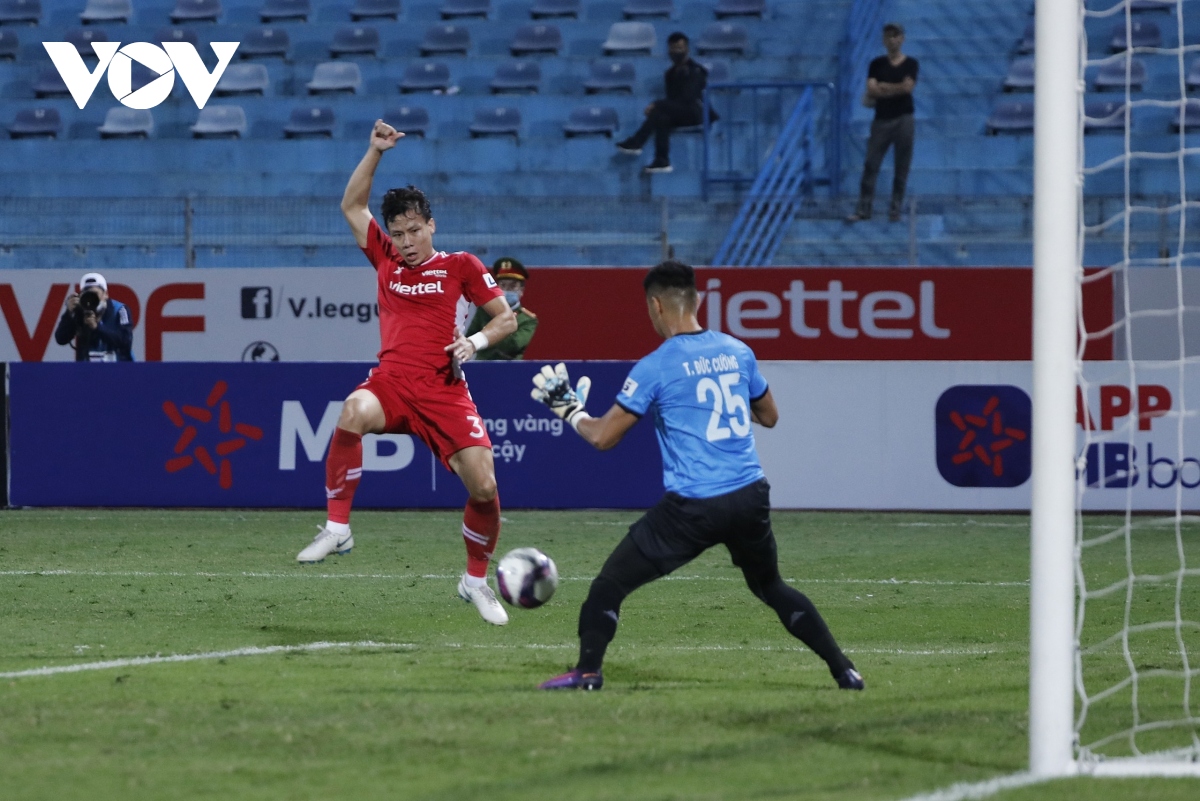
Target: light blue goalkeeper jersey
699 387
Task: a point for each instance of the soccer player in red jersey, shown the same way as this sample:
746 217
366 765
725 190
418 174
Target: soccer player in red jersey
418 387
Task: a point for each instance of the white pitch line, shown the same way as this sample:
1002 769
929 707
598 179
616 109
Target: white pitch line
970 791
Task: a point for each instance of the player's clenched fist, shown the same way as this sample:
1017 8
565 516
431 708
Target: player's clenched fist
553 388
384 136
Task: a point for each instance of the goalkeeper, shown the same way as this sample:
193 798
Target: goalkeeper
703 390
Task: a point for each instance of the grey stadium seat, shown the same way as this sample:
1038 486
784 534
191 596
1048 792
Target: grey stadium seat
127 123
107 11
226 121
196 11
243 78
335 76
630 37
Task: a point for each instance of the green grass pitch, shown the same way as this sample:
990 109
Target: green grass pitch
706 695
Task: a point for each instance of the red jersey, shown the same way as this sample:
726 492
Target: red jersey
420 306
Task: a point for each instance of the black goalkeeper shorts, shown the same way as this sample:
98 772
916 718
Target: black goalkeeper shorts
679 529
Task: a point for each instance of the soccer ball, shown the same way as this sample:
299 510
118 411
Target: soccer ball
527 577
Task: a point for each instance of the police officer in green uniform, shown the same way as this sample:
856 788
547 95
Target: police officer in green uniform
511 275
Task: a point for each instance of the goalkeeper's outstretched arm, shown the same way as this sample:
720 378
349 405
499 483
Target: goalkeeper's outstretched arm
552 387
605 432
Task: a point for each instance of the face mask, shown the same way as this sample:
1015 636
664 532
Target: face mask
678 58
514 300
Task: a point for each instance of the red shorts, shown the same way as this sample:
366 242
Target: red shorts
442 415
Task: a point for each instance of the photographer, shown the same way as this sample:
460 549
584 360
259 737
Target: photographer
99 325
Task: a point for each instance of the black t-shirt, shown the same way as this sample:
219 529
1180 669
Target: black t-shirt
884 71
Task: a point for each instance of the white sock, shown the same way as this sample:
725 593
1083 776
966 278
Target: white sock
474 581
341 529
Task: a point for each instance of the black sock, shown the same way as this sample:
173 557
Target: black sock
598 623
804 622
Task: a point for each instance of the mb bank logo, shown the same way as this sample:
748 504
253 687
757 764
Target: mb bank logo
172 58
983 436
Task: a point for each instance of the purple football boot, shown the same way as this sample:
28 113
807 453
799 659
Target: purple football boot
574 680
850 679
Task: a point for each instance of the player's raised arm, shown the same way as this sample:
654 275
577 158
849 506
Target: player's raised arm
764 411
358 188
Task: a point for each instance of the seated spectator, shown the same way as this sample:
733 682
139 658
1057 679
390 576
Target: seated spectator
511 276
683 106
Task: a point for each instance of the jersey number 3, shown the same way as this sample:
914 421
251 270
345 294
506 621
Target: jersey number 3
723 400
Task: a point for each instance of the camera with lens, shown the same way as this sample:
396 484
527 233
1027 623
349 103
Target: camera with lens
89 301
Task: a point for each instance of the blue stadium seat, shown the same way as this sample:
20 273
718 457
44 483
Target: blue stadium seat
265 42
644 9
334 77
1153 5
547 9
10 45
723 37
517 76
1020 75
446 39
127 123
1142 33
496 121
220 121
20 12
174 33
1112 76
592 120
355 40
536 39
375 9
243 78
425 76
630 37
611 76
454 9
1028 40
718 71
1188 117
36 122
740 8
50 84
1104 115
196 11
1011 115
408 120
107 11
1193 76
82 38
310 121
279 10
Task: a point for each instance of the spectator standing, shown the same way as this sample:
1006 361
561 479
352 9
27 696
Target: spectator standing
511 275
890 83
100 326
683 106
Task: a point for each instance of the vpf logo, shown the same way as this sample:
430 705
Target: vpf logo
187 418
983 436
165 62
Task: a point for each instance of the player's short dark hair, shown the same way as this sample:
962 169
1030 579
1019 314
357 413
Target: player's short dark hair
671 275
678 36
894 28
399 202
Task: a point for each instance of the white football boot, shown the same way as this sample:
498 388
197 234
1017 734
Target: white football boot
485 601
325 543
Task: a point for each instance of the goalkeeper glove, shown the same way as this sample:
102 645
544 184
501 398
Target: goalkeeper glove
553 388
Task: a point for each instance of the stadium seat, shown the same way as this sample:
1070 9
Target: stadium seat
335 76
265 42
630 37
1112 76
1153 5
10 45
127 123
220 121
408 120
20 12
279 10
517 76
446 39
1011 115
1141 34
547 9
196 11
1028 42
425 76
455 9
107 11
36 123
1020 75
355 41
723 37
592 120
1193 76
243 79
174 33
740 8
611 76
1104 115
643 9
1188 117
310 121
536 39
375 9
82 38
718 71
500 121
50 84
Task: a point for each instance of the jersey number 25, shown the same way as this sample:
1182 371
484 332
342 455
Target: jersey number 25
724 400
